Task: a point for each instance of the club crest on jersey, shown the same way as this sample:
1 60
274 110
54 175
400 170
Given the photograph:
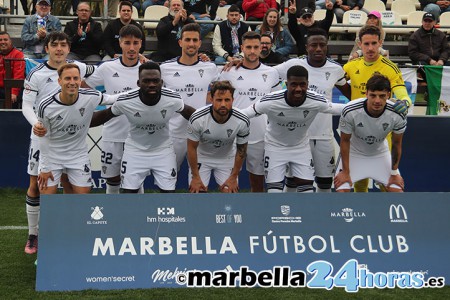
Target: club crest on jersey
32 164
104 169
82 111
327 75
385 126
200 72
229 132
305 113
163 113
264 76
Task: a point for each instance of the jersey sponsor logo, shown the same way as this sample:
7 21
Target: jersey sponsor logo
305 113
281 114
59 118
264 77
152 128
240 78
163 113
126 89
370 139
81 110
115 75
72 129
176 74
360 124
189 89
252 93
137 115
327 75
291 126
217 143
229 132
385 126
49 80
200 72
206 131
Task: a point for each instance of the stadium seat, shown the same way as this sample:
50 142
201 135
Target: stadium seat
354 17
319 14
371 5
403 8
134 15
154 12
444 20
222 13
392 18
414 19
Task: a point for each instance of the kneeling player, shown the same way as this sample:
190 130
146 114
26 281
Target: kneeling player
364 125
212 133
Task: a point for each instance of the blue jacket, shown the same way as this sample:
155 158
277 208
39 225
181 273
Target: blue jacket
29 32
284 43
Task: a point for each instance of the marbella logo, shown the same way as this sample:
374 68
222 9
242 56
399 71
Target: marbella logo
348 214
97 216
397 214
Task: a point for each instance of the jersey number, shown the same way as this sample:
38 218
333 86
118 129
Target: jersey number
35 155
106 158
124 167
266 162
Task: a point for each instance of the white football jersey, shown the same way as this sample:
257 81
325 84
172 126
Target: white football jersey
67 127
288 125
116 78
217 141
42 82
322 81
369 133
251 85
149 125
192 83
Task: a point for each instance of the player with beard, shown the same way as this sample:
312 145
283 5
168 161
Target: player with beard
148 147
323 75
252 81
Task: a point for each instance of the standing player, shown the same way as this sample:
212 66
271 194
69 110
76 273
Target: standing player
148 147
117 76
212 133
252 81
323 74
364 125
359 70
41 83
191 78
66 117
289 114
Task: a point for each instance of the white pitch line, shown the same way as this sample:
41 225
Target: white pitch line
13 227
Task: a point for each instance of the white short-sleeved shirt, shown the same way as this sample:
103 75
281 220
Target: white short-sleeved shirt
149 125
42 82
116 78
251 85
288 125
322 81
192 82
216 140
67 127
369 133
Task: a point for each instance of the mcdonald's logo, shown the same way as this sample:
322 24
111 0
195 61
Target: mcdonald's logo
397 214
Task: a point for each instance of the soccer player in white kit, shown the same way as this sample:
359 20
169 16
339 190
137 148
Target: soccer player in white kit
286 144
323 74
252 81
364 125
189 76
213 132
39 84
117 76
66 116
148 147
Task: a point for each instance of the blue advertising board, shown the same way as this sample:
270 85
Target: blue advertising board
301 240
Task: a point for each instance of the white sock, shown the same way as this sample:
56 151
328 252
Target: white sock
141 189
33 218
112 189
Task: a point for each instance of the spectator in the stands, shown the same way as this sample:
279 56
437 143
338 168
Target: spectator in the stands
7 50
111 33
300 4
435 7
256 9
196 9
306 20
267 56
341 6
85 35
374 19
223 3
428 45
283 43
320 4
36 28
168 32
227 38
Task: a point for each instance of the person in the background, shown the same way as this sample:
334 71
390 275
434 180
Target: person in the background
256 9
283 44
435 7
36 28
196 9
341 6
267 56
7 50
85 34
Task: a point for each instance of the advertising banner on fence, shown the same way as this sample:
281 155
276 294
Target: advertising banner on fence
284 240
